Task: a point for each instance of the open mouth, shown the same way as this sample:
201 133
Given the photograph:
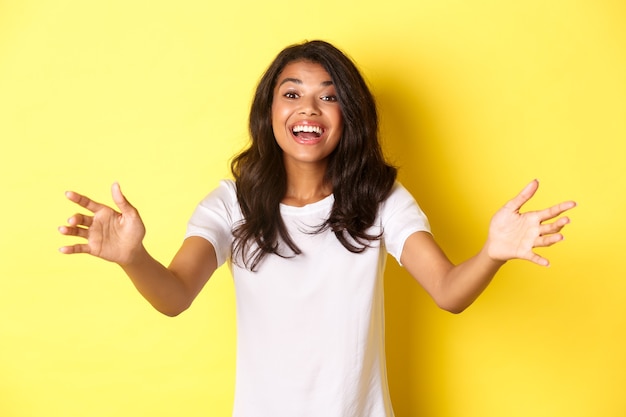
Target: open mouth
307 132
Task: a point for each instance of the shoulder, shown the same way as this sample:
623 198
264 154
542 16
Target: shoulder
400 207
400 217
220 203
227 187
398 198
225 192
214 218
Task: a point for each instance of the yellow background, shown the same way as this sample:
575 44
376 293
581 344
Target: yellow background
477 97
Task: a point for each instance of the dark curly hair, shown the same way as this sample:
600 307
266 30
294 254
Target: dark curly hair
360 177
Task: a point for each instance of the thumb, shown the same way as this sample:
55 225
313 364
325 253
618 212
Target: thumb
120 201
526 194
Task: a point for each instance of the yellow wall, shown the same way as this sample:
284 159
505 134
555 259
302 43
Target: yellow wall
477 97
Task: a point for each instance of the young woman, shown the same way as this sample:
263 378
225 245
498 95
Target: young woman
306 226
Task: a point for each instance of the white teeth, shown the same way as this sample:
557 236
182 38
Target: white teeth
307 129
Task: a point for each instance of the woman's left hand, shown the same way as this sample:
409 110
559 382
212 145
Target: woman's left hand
513 235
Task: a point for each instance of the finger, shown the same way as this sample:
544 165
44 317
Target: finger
74 231
549 240
535 258
68 250
83 201
79 219
526 194
556 210
539 260
554 227
120 200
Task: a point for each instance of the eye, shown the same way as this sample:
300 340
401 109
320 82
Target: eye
330 98
290 94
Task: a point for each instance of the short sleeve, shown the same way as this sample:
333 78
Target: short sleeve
401 216
214 217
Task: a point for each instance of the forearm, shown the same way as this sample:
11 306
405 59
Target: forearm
158 285
461 285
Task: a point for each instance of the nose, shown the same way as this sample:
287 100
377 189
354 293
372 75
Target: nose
309 106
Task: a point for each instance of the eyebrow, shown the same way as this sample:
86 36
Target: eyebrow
298 81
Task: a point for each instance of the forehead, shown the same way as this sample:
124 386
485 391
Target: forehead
304 72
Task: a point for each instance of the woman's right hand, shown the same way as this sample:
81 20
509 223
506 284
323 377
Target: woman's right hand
110 235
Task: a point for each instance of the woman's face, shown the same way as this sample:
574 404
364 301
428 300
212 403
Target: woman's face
306 116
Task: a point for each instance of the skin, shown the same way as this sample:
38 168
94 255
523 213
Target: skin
303 95
512 235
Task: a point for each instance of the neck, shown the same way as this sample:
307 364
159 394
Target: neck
306 184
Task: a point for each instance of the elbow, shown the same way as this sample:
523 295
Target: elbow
171 313
453 309
172 310
454 302
452 306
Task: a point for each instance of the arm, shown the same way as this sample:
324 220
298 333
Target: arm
512 235
171 290
117 237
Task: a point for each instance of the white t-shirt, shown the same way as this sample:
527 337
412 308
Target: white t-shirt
311 327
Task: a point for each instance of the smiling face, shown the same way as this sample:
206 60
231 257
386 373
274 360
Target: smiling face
306 116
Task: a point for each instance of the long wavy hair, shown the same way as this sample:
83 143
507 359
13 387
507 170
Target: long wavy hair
360 177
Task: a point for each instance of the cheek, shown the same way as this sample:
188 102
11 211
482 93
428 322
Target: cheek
278 125
275 119
338 117
340 123
279 114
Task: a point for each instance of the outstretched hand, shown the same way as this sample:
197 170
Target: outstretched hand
514 235
110 235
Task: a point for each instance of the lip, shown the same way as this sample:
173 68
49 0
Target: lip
307 123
